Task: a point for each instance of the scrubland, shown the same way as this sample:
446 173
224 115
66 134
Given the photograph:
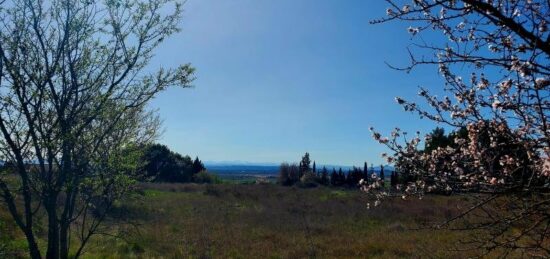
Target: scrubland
265 221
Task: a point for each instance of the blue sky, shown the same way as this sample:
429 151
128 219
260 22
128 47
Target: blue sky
278 78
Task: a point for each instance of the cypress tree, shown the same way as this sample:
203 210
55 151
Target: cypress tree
348 179
333 177
197 166
324 176
341 177
305 164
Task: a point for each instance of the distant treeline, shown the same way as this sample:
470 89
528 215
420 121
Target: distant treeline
305 174
160 164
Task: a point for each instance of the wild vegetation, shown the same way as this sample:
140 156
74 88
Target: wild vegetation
306 175
82 177
160 164
257 221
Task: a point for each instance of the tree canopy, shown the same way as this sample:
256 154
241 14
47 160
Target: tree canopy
73 109
163 165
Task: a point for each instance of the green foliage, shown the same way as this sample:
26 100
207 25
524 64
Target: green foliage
324 179
205 177
305 176
305 164
437 138
308 180
289 174
163 165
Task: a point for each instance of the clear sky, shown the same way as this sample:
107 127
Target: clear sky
278 78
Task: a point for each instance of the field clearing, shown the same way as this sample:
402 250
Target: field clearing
268 221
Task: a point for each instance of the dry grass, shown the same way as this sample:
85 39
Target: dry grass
270 221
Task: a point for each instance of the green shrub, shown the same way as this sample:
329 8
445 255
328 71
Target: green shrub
205 177
309 180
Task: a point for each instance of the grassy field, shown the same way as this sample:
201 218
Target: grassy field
264 221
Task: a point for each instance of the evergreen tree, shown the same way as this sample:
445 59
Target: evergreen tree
324 176
437 138
163 165
341 177
198 166
349 178
334 177
314 168
305 164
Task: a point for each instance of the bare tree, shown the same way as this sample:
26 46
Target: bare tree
504 47
73 93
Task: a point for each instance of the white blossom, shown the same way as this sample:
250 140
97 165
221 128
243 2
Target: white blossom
413 30
540 82
496 104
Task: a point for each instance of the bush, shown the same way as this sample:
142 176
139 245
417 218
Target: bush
205 177
309 180
289 174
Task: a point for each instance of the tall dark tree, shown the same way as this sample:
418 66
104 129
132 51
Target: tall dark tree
334 177
324 176
305 164
198 166
314 169
348 180
341 177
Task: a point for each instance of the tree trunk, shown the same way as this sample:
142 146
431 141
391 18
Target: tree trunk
33 246
64 241
53 228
